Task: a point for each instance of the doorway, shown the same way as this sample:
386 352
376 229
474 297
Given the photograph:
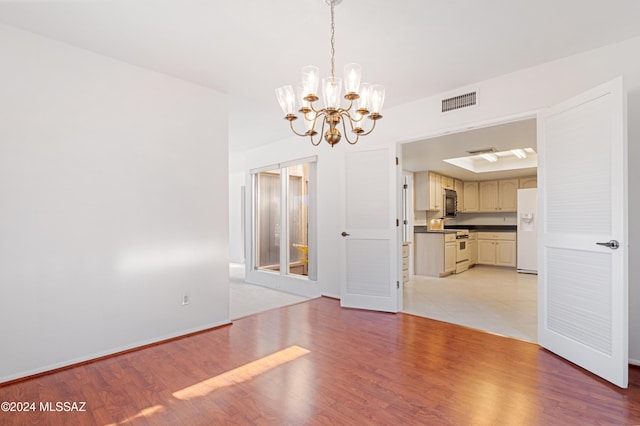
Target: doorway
491 298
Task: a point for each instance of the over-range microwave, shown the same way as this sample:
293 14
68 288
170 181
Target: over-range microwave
449 203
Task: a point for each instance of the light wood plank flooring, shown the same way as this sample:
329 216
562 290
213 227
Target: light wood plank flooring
315 363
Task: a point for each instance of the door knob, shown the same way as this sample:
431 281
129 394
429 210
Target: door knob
344 234
613 244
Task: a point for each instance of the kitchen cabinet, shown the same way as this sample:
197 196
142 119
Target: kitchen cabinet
405 263
435 192
449 253
435 253
488 194
508 195
421 190
498 195
447 182
458 186
473 248
497 248
529 182
427 191
470 196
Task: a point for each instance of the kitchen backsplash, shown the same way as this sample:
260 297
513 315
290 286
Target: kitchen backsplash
421 218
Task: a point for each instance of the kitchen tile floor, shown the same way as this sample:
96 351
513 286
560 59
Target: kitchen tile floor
247 299
493 299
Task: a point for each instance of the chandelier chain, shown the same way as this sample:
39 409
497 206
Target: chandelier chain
333 44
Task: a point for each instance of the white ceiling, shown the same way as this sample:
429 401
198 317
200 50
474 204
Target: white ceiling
428 154
247 48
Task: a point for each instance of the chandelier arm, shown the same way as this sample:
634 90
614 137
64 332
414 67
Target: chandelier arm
355 119
316 143
319 135
344 128
349 107
315 110
346 116
374 126
294 130
315 118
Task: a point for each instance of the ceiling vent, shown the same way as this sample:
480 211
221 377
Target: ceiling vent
460 101
482 151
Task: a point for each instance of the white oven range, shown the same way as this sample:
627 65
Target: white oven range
462 251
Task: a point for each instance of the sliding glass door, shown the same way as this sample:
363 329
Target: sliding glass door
281 218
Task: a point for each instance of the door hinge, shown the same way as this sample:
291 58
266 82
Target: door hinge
398 284
397 161
405 186
397 222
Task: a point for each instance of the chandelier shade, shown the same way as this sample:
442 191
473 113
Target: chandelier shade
364 100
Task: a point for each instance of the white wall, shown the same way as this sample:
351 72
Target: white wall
111 181
514 95
236 182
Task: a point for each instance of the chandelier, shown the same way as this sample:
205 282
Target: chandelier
364 100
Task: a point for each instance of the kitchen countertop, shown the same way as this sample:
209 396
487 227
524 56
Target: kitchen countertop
453 228
486 228
424 230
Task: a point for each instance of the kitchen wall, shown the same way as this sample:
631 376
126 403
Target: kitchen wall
113 181
517 95
484 219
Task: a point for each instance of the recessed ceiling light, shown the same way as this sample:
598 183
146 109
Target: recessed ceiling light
519 153
490 157
488 160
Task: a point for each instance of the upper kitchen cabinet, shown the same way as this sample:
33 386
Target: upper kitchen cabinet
447 182
488 192
435 192
428 191
473 197
458 186
470 197
508 195
529 182
499 195
421 190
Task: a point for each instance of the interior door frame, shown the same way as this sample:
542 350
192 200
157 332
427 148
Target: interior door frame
533 114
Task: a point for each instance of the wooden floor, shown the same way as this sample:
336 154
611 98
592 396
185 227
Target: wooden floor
315 363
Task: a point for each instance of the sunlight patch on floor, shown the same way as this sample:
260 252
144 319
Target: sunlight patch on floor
147 412
242 373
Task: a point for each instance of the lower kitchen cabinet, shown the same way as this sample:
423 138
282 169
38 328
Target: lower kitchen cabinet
449 254
473 248
435 254
405 263
497 248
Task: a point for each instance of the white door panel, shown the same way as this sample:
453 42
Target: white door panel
370 273
582 200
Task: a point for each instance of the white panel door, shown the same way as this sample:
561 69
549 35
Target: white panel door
370 275
582 305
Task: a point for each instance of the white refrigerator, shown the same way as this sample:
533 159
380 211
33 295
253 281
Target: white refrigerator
527 240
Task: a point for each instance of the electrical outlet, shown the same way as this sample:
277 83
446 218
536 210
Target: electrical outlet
185 298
